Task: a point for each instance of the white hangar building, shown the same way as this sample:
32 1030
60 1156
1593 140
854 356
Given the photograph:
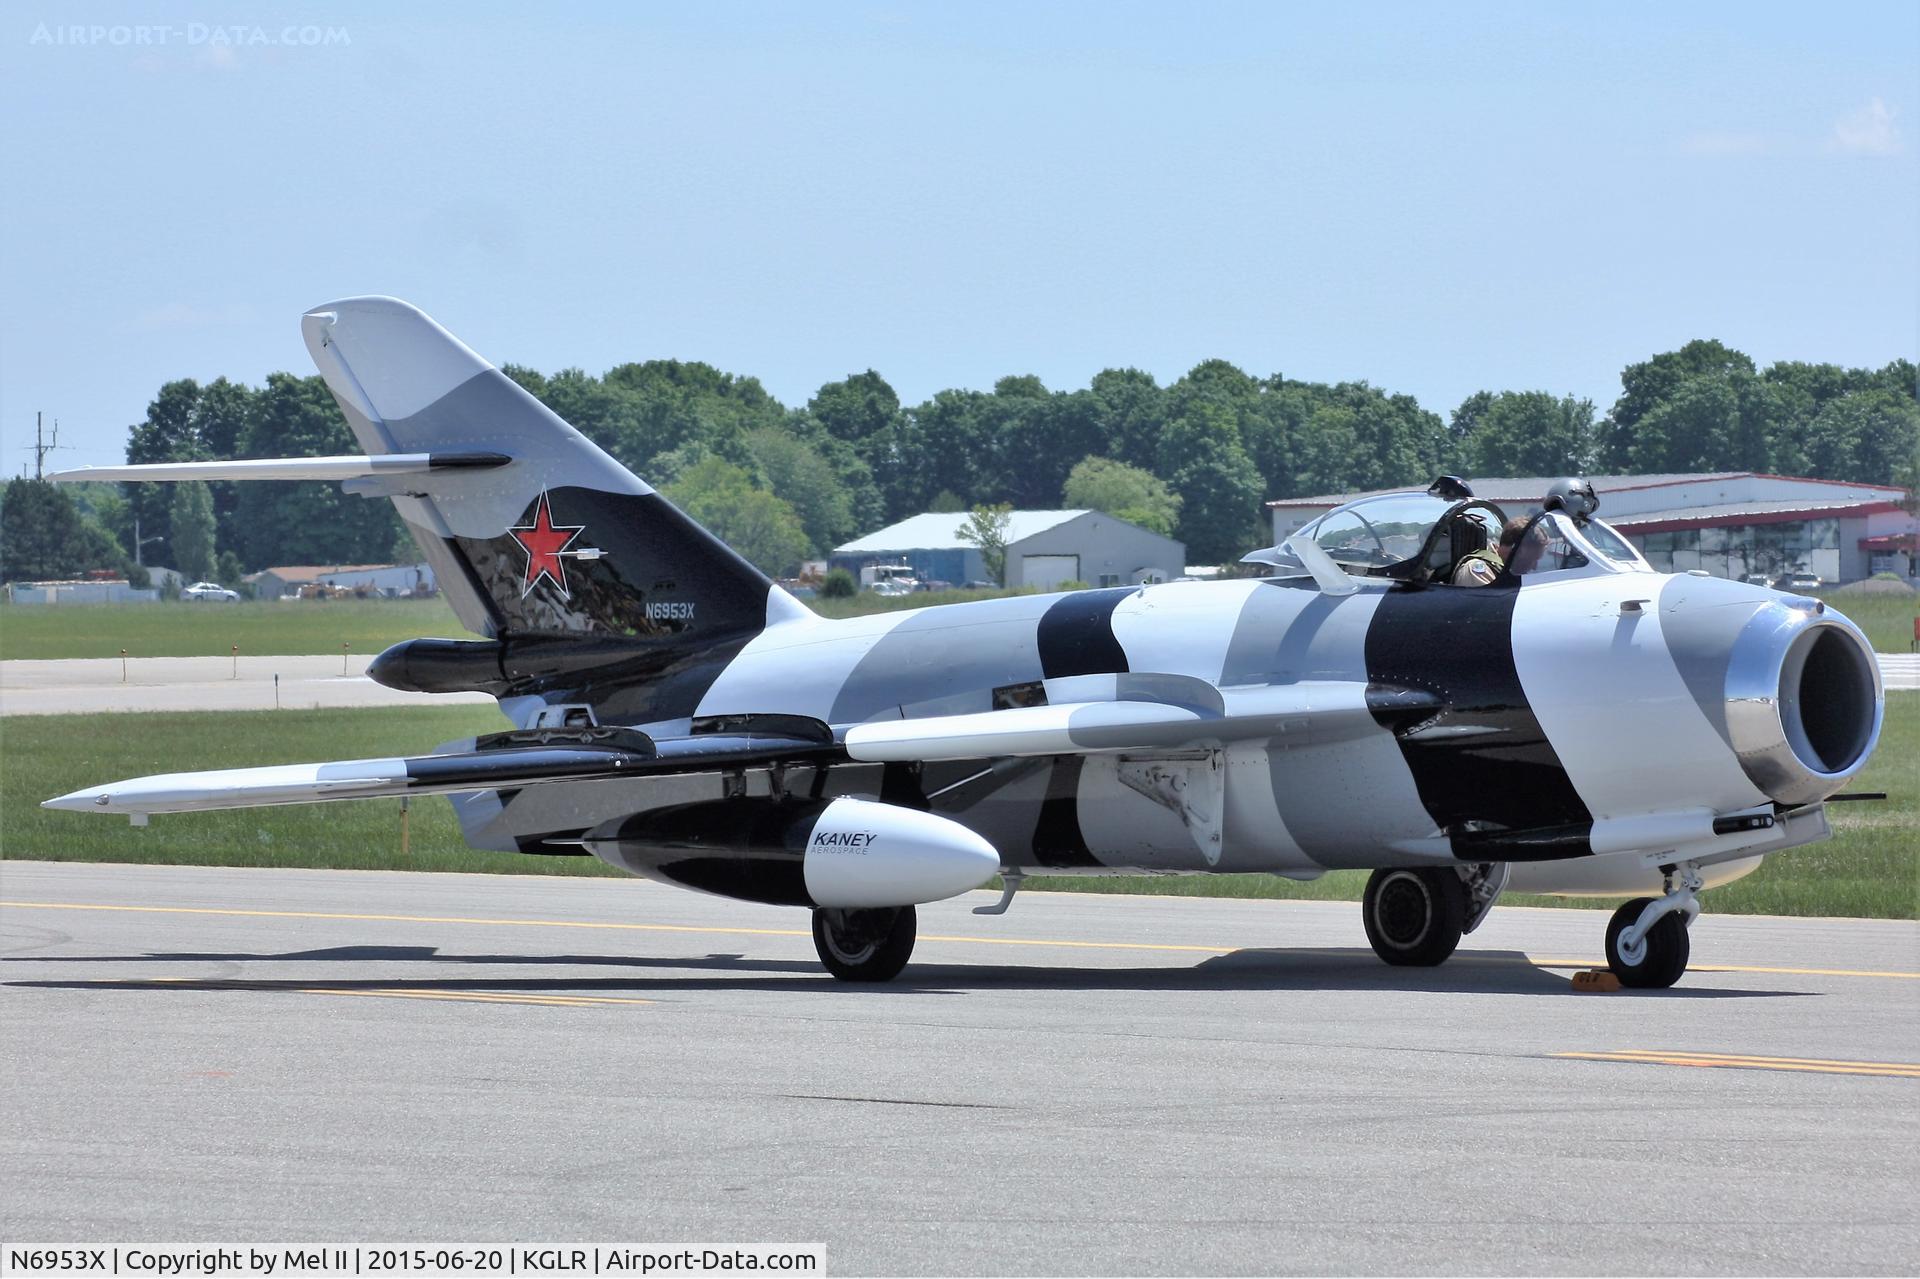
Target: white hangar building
1729 523
1044 549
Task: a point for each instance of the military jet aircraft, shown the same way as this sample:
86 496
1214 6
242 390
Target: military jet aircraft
1583 725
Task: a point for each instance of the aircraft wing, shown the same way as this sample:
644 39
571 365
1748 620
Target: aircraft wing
1316 710
1099 713
507 761
343 779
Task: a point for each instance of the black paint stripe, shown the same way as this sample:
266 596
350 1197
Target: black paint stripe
1076 634
1057 837
752 850
490 769
671 602
1480 760
445 552
659 577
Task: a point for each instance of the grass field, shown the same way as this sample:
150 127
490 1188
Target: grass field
276 628
1870 868
1887 619
42 756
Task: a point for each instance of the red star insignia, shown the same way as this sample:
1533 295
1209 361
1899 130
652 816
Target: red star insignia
544 543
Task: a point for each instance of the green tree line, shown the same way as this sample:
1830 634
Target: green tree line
1195 458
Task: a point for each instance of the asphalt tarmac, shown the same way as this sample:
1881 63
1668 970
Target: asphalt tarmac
1089 1084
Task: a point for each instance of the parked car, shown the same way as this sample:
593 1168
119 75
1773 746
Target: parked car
1797 582
209 593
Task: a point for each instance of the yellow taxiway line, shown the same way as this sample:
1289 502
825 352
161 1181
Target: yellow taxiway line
925 937
1738 1061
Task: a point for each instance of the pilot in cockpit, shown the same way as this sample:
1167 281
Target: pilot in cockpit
1542 547
1533 547
1484 566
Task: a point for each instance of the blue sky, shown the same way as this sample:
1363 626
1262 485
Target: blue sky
1437 199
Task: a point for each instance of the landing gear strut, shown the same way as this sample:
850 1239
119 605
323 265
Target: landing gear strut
865 945
1647 944
1414 917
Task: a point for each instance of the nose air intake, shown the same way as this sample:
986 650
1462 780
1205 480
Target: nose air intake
1804 701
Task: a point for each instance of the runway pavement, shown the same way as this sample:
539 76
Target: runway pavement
1899 671
81 685
1088 1084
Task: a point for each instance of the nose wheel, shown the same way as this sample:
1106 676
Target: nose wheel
1415 916
865 945
1647 944
1656 958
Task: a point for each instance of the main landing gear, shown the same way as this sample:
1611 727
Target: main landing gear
865 945
1647 944
1415 916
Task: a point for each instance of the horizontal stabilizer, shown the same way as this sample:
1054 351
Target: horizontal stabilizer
287 468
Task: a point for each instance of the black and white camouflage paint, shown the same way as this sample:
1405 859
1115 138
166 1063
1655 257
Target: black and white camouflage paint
1553 721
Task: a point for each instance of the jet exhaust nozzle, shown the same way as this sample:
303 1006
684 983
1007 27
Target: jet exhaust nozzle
1804 701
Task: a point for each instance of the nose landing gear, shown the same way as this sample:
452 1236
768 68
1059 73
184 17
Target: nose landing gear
1647 942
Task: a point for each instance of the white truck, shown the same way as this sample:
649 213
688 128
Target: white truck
889 579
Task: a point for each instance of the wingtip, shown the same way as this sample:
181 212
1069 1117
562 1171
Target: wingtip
365 304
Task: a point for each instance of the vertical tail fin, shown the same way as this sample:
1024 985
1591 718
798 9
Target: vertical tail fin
562 541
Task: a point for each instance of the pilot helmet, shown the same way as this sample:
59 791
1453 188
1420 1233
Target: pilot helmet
1573 495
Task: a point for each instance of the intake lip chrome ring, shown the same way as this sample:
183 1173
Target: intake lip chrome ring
1804 701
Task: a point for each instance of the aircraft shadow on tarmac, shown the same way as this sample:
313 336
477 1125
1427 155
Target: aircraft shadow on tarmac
1303 969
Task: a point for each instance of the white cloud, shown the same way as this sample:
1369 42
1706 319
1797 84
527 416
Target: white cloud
1869 131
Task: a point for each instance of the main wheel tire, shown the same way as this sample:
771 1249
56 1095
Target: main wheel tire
865 945
1414 917
1663 952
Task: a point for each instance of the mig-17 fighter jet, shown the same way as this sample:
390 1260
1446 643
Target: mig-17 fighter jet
1581 725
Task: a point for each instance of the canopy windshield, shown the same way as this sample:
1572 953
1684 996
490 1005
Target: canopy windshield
1378 532
1418 537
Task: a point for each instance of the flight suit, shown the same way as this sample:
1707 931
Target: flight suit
1479 568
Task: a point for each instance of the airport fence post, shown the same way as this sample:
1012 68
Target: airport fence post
123 666
236 661
276 690
343 657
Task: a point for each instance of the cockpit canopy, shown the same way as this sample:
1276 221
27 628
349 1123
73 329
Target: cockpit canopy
1422 537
